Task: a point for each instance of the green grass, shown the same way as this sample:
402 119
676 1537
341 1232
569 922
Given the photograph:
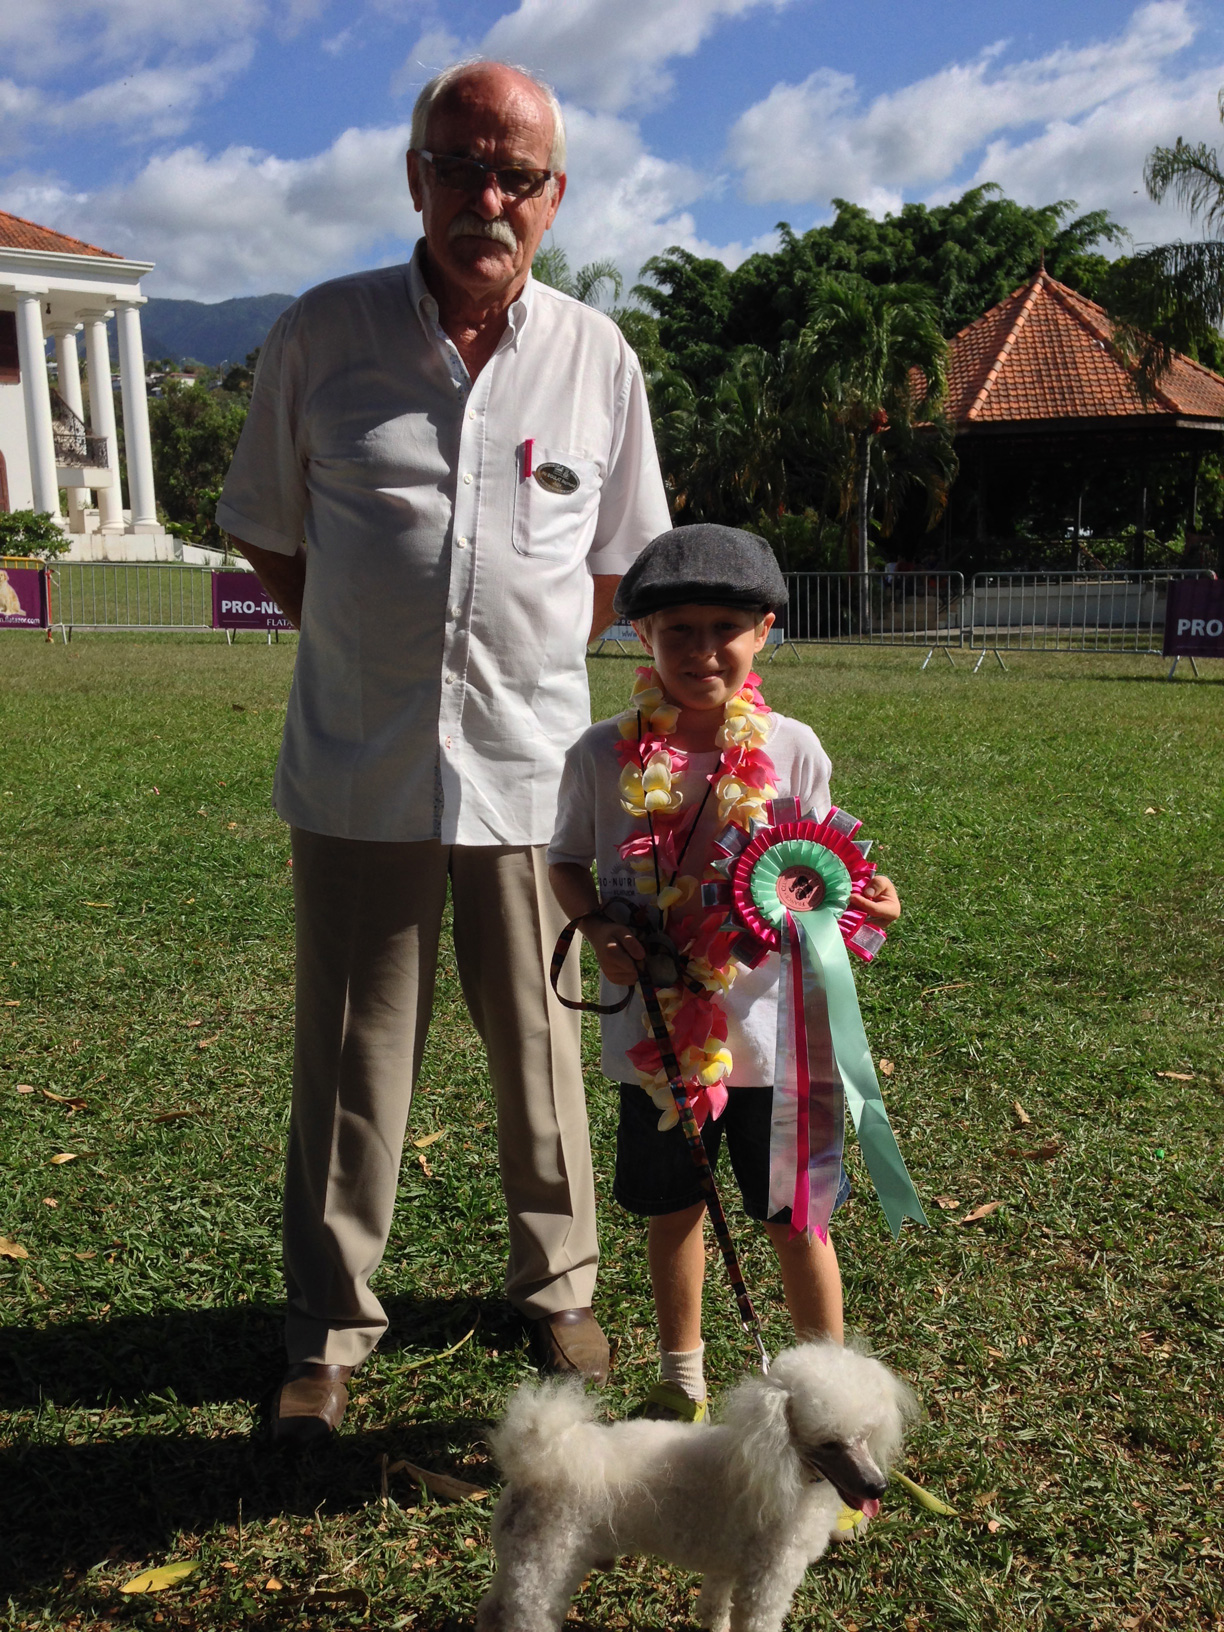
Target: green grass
1056 836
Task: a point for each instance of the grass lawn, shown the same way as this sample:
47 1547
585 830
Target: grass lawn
1056 834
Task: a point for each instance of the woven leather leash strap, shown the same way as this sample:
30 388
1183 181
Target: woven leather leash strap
564 942
701 1161
688 1123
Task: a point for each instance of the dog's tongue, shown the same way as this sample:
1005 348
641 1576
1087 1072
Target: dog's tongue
870 1508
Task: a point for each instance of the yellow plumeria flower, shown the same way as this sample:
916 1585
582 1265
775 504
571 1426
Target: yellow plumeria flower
714 980
709 1064
740 803
680 890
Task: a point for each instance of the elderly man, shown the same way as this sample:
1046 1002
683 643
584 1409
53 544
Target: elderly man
467 455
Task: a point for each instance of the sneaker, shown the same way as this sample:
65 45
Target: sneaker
667 1402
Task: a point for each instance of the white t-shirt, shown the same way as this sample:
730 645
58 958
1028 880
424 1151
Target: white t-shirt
591 823
441 671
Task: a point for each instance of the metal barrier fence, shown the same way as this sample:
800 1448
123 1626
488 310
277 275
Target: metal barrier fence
876 608
1069 612
159 595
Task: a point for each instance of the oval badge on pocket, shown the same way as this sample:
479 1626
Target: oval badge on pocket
556 478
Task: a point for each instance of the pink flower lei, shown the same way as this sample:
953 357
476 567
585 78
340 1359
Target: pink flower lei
741 784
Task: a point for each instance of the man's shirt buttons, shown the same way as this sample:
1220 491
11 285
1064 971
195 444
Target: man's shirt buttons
471 413
448 743
462 543
450 679
456 612
467 479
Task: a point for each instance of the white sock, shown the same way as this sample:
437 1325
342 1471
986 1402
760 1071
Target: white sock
684 1368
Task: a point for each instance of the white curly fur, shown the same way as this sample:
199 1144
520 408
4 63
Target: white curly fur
735 1502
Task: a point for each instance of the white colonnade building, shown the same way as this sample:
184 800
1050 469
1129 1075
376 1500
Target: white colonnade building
53 285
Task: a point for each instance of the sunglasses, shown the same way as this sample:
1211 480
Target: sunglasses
470 176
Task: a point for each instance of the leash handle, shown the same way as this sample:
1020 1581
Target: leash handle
701 1160
560 952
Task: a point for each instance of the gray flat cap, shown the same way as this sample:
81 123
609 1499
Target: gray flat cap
706 565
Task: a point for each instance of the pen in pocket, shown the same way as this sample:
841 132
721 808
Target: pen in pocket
528 446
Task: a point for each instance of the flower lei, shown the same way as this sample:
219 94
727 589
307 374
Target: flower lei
742 785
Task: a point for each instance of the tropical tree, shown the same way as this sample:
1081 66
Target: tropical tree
194 431
1171 297
872 356
551 266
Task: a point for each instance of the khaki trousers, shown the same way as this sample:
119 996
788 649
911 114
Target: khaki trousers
369 916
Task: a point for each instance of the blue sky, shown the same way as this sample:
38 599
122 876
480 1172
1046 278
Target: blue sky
255 145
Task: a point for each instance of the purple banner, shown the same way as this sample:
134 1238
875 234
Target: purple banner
1194 618
23 598
241 602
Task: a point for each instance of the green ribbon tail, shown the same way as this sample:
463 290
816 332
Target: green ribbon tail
825 956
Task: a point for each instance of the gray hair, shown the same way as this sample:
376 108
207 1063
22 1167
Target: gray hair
430 93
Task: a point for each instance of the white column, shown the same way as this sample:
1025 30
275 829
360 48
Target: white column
136 442
70 389
32 359
102 416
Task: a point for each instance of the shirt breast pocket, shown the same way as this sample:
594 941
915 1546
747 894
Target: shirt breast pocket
555 504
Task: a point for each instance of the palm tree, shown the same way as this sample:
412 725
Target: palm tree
552 266
1171 297
874 357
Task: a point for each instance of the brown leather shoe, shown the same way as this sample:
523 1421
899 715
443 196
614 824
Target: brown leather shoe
570 1343
309 1405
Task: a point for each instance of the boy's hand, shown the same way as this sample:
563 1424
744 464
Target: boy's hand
878 899
616 949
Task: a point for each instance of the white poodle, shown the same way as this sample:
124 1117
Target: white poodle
749 1503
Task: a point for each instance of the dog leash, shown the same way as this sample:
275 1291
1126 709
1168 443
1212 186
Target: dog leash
749 1318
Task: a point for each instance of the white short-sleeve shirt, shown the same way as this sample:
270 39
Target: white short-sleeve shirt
441 671
592 824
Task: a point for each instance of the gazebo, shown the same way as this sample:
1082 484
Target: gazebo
51 284
1040 372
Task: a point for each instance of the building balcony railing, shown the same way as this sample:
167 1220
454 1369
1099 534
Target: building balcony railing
74 446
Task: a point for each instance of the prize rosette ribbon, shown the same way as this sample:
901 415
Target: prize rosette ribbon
790 885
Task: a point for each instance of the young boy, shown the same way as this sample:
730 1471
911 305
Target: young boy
702 600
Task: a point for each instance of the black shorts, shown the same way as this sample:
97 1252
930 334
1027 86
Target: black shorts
656 1174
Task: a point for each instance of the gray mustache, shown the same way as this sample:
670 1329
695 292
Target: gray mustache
470 225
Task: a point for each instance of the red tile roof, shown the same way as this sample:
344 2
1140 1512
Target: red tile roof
18 233
1047 352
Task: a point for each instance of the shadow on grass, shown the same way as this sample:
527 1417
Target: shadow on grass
66 1506
197 1356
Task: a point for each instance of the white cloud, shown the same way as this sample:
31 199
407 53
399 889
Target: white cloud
40 37
815 140
245 222
610 54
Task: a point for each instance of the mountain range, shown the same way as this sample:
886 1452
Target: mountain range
217 332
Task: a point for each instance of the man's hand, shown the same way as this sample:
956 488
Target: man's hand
878 899
283 576
617 949
602 611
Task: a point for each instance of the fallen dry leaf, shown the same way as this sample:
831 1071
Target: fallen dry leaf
425 1167
190 1023
988 1496
50 1201
84 1256
1151 811
99 903
12 1002
924 1497
25 1088
11 1249
997 1354
174 1116
231 825
429 1139
887 1067
992 1526
158 1580
440 1484
207 1042
273 1585
1177 1076
429 1359
1021 1115
956 986
63 1099
947 1203
353 1597
65 1156
1042 1153
984 1211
